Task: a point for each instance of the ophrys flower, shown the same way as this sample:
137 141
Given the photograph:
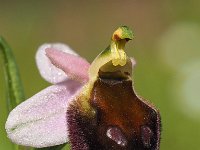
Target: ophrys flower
91 106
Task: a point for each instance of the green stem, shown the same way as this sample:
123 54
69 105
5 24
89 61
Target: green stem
15 93
14 88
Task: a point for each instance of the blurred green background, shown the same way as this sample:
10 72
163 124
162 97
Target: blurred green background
166 48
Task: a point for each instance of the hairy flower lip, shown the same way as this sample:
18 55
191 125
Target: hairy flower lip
106 99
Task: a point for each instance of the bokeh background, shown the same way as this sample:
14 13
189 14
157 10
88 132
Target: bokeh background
166 48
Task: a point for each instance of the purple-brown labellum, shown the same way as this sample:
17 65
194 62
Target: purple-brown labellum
122 121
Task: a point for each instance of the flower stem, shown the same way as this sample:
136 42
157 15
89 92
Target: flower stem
15 93
14 88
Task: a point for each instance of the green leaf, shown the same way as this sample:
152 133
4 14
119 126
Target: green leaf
14 89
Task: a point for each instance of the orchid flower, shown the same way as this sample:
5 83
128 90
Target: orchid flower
91 106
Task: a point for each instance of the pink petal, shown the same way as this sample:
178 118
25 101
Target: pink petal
75 67
47 70
41 120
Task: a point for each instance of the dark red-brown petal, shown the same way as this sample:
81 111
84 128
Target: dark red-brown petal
120 117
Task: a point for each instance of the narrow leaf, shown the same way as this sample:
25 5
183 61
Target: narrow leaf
14 89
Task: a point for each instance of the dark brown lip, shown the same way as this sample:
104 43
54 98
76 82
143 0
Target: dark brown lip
116 105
